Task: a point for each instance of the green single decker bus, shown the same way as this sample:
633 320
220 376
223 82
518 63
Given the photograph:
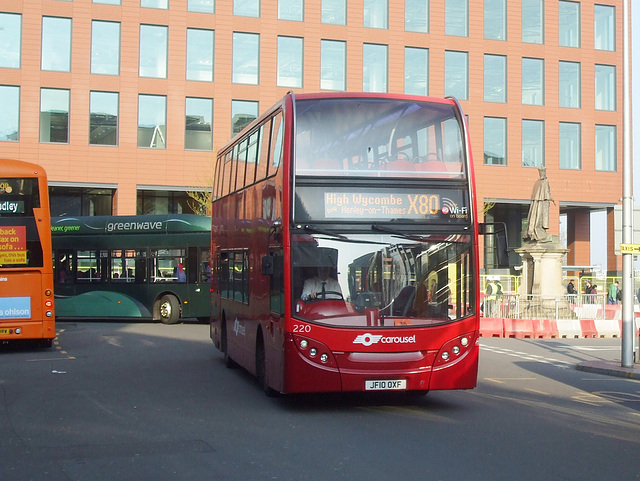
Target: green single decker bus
147 267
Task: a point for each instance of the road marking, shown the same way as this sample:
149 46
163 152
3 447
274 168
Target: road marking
529 357
502 380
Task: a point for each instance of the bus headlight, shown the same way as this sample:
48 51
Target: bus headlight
313 351
304 344
324 357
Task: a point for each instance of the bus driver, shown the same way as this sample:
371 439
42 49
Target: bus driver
321 286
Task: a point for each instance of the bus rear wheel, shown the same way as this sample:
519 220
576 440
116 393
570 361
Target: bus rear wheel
169 309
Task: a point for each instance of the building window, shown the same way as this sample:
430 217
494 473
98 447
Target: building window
605 28
533 21
374 68
10 39
152 121
105 47
376 14
495 19
532 143
532 81
290 62
495 78
606 148
605 87
569 85
56 44
246 8
10 117
198 132
243 112
456 74
333 61
200 45
416 16
201 6
153 51
246 58
570 149
107 2
334 12
54 116
495 141
161 4
291 10
103 118
163 202
456 17
72 201
416 71
569 24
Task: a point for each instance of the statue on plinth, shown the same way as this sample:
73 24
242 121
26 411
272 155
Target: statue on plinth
538 218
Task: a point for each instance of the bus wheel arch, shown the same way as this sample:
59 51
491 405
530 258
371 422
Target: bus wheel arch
167 309
261 365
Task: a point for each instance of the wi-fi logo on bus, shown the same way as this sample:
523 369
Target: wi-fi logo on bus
448 206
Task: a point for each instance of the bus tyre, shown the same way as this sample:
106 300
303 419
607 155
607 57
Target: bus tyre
169 309
261 367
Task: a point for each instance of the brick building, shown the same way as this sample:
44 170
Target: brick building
125 102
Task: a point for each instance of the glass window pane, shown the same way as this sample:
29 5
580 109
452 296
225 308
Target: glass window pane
200 46
290 62
569 85
374 68
153 51
105 47
606 148
569 24
334 12
456 74
56 44
107 2
495 141
495 78
532 143
605 87
10 40
533 21
376 14
532 81
416 71
152 121
201 6
163 4
246 8
416 16
456 17
333 65
54 116
495 19
10 118
103 118
198 134
291 10
570 148
246 58
605 28
242 113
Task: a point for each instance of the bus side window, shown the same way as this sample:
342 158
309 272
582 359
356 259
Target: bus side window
277 284
64 267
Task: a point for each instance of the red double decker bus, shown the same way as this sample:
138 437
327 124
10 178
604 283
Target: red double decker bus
345 246
26 268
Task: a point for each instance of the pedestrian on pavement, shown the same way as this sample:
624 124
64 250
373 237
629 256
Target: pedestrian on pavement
614 289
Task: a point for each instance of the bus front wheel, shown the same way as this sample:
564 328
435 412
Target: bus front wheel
169 309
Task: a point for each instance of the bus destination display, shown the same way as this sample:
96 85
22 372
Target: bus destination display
436 205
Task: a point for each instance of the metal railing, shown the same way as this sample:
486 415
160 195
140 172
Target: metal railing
576 306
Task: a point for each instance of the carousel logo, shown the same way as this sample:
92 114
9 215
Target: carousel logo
369 339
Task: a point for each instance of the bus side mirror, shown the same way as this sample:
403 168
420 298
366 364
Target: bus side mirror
267 266
501 243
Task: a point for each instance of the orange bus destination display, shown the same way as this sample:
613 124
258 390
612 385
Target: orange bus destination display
435 205
13 244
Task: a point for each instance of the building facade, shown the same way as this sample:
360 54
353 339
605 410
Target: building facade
125 102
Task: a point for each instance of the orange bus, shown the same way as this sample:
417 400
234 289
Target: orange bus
345 246
26 267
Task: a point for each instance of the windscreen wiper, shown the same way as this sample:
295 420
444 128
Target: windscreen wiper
319 230
396 233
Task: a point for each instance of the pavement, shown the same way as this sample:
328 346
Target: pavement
611 368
